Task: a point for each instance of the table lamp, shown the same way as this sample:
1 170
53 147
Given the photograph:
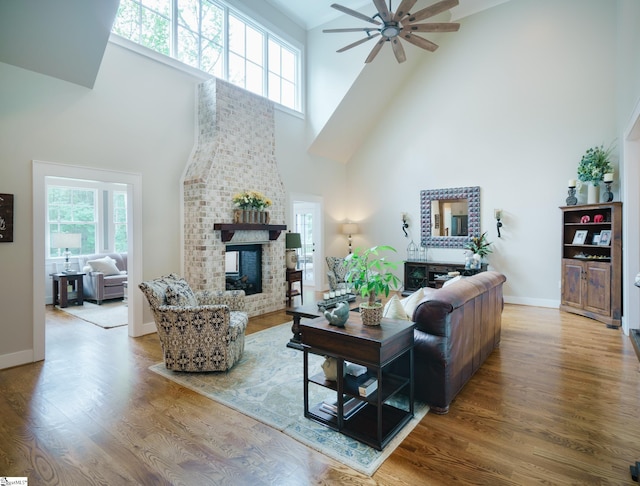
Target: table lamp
292 243
66 241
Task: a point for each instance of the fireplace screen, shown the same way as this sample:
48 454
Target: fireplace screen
243 268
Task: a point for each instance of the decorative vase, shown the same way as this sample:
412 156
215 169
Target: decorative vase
593 194
371 314
330 368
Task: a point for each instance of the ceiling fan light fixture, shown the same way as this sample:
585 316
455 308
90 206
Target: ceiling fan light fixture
390 30
399 25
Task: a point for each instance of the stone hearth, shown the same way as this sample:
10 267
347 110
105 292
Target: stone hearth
235 151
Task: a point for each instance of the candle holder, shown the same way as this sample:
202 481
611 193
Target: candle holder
608 195
572 200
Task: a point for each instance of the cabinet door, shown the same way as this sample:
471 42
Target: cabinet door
572 282
598 289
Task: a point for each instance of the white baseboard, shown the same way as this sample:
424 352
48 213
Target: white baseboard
554 304
16 359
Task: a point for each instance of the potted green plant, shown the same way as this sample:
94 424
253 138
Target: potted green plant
370 274
479 248
595 163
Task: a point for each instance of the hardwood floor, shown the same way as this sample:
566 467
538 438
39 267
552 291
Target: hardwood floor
557 403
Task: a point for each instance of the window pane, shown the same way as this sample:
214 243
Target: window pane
254 78
274 57
188 14
127 22
255 45
274 87
156 32
212 22
160 6
288 65
121 243
212 59
236 35
236 69
288 94
188 47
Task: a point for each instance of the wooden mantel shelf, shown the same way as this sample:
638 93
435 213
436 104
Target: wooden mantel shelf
228 230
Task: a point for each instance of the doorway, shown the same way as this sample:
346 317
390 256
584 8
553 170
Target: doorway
307 220
133 182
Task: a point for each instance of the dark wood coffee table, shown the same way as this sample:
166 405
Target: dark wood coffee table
377 419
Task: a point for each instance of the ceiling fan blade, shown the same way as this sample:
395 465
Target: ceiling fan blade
433 27
355 29
434 9
357 43
375 50
383 10
403 9
398 50
354 13
419 41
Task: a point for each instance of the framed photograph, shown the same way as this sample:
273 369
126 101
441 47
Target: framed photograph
605 238
596 239
580 237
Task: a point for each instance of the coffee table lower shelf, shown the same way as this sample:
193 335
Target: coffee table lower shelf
365 420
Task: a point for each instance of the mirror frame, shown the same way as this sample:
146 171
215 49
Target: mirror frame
471 194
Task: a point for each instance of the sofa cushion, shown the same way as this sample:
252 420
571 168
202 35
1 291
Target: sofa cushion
179 293
394 309
106 265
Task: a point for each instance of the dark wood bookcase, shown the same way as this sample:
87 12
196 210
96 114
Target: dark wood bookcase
592 271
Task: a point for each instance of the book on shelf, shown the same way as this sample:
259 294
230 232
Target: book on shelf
368 387
349 407
354 369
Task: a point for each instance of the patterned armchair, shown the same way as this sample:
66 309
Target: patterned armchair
336 273
201 331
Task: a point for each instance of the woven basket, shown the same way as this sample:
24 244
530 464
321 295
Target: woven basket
371 316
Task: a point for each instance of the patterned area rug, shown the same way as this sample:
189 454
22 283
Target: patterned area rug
266 384
107 315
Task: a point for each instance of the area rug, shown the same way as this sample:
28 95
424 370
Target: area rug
267 385
107 315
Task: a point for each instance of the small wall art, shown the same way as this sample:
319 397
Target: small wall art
6 218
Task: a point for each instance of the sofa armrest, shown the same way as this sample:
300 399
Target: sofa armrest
93 283
234 299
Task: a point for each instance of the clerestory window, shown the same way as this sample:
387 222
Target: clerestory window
212 37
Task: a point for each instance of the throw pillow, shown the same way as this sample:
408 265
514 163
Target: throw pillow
180 294
411 302
106 265
452 280
394 309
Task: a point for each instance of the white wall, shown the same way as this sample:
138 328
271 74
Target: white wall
509 103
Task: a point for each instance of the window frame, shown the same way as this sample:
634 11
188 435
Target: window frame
268 35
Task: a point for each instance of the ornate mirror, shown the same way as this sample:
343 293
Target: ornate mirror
450 217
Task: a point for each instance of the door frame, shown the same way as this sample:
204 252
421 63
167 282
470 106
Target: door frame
42 170
318 203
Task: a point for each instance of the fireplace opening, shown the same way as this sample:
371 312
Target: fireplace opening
243 268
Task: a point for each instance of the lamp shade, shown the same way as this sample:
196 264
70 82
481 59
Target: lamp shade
66 240
350 229
292 241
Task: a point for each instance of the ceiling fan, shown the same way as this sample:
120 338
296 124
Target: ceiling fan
399 25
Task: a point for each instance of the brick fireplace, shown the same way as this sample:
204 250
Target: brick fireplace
235 151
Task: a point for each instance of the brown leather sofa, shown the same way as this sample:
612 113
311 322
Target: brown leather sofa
457 327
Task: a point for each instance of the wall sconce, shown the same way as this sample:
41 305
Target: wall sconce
292 243
498 214
349 229
405 224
